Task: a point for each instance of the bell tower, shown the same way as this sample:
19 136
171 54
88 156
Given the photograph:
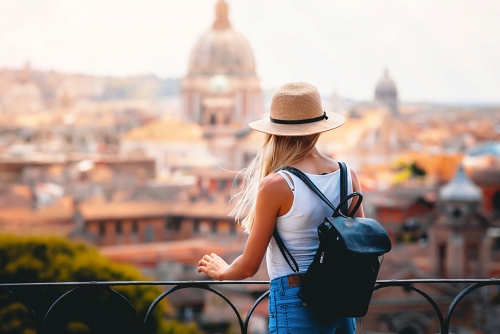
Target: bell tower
459 246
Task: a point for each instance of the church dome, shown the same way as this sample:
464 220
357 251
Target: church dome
385 87
460 188
222 50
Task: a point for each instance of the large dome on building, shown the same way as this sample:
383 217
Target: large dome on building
385 87
222 50
386 93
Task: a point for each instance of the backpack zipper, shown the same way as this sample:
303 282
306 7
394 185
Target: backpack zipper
322 256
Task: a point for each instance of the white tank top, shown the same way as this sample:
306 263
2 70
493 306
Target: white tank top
298 227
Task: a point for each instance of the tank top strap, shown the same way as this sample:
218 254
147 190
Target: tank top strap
288 178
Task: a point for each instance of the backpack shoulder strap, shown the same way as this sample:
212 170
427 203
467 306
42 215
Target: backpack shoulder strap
281 245
310 184
344 198
343 188
285 252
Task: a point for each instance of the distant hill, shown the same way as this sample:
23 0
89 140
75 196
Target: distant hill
51 83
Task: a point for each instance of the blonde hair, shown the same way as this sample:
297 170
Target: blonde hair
276 152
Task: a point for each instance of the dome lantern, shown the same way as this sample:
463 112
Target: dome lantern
221 11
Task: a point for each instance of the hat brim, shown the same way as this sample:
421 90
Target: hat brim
265 125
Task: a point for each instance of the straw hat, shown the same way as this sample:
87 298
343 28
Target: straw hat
296 111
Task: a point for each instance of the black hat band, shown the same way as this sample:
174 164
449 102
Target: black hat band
300 121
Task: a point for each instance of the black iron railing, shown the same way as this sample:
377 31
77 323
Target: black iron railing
83 288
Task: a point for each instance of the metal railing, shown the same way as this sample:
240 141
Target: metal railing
139 324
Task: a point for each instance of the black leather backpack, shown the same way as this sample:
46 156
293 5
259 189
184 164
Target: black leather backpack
340 280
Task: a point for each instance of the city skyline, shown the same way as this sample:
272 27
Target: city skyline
438 53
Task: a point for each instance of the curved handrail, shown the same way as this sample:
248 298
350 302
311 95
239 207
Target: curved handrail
459 297
77 289
196 286
55 303
426 296
444 321
130 305
250 312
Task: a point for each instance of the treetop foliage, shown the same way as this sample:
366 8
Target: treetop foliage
54 259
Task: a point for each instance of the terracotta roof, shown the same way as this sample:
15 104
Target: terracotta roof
91 210
16 196
188 251
166 129
61 211
35 228
203 207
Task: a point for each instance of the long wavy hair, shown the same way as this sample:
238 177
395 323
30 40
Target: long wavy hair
276 152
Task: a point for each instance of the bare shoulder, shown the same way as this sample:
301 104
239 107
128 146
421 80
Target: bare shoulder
272 183
355 181
353 174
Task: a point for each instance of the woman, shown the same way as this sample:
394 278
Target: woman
280 199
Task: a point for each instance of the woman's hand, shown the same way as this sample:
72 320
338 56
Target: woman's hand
213 266
272 189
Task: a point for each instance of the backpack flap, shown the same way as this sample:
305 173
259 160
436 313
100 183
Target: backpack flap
359 235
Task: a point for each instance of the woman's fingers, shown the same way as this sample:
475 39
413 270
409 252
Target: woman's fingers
211 265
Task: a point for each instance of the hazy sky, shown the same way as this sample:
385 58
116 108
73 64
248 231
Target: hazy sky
436 50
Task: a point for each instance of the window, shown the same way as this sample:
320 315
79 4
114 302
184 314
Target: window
472 252
135 229
149 235
173 223
457 213
214 226
496 245
442 260
102 229
496 201
196 226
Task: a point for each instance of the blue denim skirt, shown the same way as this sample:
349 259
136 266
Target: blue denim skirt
287 313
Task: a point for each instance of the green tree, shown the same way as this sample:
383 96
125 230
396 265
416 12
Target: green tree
85 310
407 171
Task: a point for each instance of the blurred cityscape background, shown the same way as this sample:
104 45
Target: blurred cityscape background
135 149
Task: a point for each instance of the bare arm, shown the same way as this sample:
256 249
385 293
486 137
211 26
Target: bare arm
356 188
272 190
